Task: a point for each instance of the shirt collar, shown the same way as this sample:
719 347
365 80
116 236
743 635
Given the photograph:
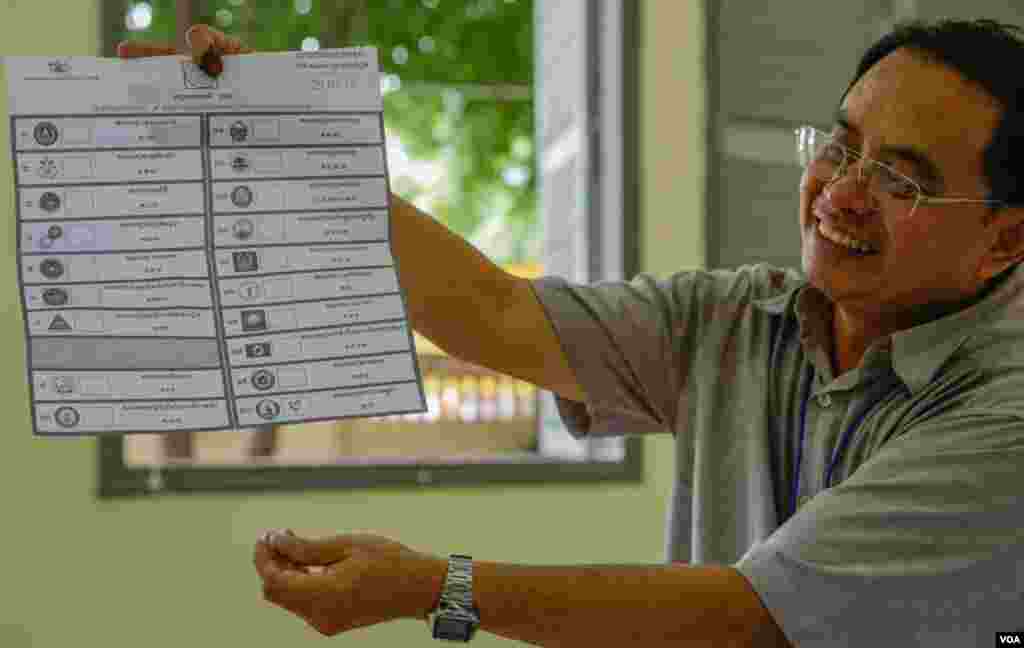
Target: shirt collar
776 305
918 353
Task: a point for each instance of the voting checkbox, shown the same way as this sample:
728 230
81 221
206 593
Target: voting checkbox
77 134
90 322
99 416
93 386
267 163
283 318
77 167
287 349
265 128
79 202
272 228
270 198
101 295
278 288
81 236
292 378
89 295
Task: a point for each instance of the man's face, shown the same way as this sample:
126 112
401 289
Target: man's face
929 254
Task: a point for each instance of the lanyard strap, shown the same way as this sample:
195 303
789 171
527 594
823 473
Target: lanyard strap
803 426
880 390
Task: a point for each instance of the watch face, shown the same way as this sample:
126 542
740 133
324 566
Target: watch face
451 629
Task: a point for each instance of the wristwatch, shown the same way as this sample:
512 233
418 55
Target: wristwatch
456 618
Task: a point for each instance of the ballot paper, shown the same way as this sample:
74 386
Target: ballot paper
199 253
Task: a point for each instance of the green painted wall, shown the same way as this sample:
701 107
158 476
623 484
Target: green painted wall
177 571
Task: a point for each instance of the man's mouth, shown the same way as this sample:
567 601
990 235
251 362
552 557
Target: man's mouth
842 239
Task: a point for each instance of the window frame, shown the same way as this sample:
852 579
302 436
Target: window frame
610 145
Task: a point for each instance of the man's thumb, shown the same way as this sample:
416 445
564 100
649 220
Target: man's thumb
302 550
287 543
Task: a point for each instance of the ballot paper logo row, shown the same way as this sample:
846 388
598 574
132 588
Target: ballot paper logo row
160 131
101 166
46 133
67 416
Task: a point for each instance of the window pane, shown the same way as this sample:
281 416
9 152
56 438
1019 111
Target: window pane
459 121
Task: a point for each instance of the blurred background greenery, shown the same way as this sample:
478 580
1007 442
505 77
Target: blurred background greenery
457 80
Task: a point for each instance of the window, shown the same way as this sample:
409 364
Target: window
513 123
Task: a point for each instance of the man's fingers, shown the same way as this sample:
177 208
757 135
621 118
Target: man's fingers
202 38
208 45
136 49
278 571
199 38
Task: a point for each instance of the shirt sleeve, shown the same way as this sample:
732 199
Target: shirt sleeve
633 345
923 545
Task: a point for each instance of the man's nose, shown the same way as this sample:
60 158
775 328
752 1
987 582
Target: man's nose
851 190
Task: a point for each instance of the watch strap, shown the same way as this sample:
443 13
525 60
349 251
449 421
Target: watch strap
456 617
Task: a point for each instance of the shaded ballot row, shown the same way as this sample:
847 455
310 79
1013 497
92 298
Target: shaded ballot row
237 130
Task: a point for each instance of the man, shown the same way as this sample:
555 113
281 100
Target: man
853 439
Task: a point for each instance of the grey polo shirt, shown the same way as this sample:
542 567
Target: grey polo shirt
917 539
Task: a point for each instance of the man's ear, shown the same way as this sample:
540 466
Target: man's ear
1007 228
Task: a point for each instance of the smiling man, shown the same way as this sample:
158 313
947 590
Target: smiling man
930 126
849 440
852 437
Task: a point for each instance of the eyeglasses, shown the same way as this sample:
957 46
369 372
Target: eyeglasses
828 160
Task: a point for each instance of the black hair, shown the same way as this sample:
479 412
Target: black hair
985 52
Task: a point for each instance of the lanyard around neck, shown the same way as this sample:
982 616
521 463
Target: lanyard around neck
873 399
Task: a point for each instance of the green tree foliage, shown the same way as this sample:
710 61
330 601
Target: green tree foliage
464 71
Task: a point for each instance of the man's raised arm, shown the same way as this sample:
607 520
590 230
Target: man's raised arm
473 309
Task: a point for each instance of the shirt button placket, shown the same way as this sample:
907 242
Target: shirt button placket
825 400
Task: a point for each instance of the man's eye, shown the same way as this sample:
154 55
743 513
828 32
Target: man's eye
897 185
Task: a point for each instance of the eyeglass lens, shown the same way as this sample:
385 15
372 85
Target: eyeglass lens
828 161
